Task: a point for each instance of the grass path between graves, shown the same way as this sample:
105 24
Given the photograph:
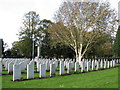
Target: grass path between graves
98 79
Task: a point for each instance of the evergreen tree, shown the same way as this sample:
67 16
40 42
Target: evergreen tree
117 43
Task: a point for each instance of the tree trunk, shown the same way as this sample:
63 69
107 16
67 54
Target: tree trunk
78 58
78 53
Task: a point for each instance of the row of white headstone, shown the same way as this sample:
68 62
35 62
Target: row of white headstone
8 64
85 66
18 66
17 69
47 64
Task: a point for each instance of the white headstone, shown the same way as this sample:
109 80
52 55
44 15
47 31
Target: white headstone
101 64
47 66
30 70
105 63
56 64
66 64
95 62
10 67
93 65
69 69
113 63
88 66
24 65
6 65
72 67
82 66
42 70
117 61
76 66
52 69
85 63
61 68
21 66
16 72
97 67
108 64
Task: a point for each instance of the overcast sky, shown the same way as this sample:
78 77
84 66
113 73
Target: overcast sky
12 12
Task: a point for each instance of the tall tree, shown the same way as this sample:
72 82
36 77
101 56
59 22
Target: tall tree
117 43
42 34
80 24
33 29
28 32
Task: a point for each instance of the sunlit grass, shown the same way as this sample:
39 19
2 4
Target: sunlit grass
97 79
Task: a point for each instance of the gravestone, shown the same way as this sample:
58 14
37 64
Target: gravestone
56 64
42 70
101 64
85 63
72 66
24 65
108 64
97 67
52 70
47 66
69 68
16 72
50 62
88 66
93 64
117 61
105 63
61 68
0 68
90 61
111 63
6 65
82 66
10 67
76 66
66 64
30 70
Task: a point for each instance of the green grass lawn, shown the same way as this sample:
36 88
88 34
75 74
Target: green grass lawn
97 79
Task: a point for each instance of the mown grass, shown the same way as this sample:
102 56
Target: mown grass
97 79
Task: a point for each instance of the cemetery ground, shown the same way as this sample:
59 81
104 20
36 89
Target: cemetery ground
107 78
